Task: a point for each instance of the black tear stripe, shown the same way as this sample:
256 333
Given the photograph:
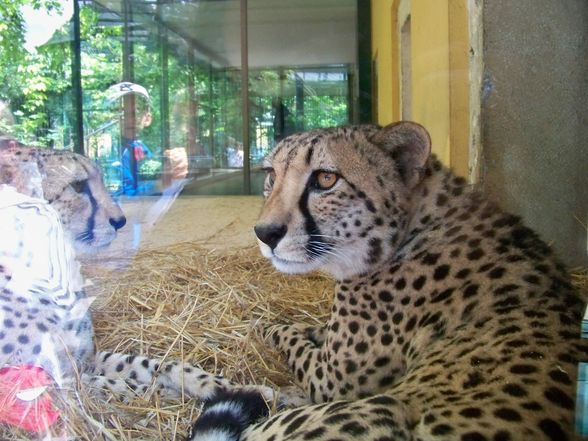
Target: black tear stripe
91 223
316 246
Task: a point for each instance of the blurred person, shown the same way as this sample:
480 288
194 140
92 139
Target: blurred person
136 117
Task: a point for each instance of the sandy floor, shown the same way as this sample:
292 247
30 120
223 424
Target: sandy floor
216 222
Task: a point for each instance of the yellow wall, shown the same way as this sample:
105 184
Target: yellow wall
382 54
460 81
439 60
430 71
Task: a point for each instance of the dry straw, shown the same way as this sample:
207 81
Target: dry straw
188 303
185 302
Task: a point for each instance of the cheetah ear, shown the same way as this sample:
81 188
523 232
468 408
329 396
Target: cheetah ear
409 145
24 176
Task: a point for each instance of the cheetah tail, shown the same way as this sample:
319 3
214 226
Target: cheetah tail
225 416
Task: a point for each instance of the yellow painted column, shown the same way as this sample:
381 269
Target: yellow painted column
439 66
382 55
459 87
430 71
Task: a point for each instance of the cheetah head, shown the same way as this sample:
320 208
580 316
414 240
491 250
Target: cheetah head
71 183
339 199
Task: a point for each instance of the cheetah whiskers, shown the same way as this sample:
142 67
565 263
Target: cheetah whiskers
318 250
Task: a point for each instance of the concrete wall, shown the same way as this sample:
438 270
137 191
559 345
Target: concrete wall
534 117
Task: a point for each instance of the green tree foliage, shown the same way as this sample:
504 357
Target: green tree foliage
23 79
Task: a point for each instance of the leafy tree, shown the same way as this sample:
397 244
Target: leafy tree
23 82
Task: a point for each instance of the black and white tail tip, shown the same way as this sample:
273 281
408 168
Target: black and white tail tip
226 415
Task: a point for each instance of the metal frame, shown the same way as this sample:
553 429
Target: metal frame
245 97
76 78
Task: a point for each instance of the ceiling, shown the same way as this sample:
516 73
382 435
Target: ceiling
280 33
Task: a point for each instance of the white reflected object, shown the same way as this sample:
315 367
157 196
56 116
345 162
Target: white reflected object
31 394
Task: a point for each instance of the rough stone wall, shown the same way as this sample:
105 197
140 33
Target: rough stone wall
535 117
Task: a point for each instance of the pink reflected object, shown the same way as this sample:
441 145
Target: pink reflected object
24 399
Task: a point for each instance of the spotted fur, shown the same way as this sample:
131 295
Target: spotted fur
451 320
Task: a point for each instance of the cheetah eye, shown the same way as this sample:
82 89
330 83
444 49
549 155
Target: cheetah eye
326 179
270 176
79 186
268 183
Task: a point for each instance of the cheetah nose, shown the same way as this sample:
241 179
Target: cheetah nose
270 234
118 222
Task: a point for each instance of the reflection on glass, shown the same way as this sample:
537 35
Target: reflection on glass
163 94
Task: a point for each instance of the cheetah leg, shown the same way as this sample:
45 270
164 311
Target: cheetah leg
304 356
134 375
313 335
123 390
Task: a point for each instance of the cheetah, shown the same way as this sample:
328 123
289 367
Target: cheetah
451 320
52 204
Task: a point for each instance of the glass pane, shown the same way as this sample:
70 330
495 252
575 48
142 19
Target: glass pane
175 101
302 58
162 94
179 101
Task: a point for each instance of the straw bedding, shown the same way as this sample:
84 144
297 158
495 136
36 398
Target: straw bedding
188 303
185 302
